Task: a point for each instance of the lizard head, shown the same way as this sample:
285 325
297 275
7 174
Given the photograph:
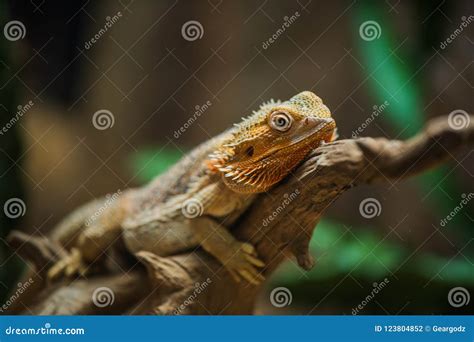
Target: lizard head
267 145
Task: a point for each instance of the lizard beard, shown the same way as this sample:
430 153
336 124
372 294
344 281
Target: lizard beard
260 175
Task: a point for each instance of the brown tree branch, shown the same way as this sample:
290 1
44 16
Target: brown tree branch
279 224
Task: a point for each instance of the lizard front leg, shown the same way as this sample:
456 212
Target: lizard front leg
176 236
239 258
168 230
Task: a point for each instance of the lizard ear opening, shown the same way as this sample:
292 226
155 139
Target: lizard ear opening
249 151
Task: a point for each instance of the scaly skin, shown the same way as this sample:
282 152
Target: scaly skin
193 202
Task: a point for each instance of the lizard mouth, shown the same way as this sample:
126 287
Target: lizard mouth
313 132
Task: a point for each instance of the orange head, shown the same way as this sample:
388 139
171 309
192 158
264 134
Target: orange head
268 144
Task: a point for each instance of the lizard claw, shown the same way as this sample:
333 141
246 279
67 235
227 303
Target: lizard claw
70 266
242 263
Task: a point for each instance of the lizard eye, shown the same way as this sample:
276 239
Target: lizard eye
280 121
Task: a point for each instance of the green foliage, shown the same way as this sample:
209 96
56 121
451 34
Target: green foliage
456 270
388 76
149 163
391 74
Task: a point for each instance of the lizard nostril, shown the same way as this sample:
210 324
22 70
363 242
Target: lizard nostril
306 121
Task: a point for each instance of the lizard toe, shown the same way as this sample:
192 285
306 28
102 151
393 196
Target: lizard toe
70 266
255 261
248 248
251 275
55 271
243 263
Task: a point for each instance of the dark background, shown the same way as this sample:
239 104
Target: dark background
151 79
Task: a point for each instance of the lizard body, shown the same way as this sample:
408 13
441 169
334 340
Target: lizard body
191 204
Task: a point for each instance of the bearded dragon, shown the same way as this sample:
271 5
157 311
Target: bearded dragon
191 204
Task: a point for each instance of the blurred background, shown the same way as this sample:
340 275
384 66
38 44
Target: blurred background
100 96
